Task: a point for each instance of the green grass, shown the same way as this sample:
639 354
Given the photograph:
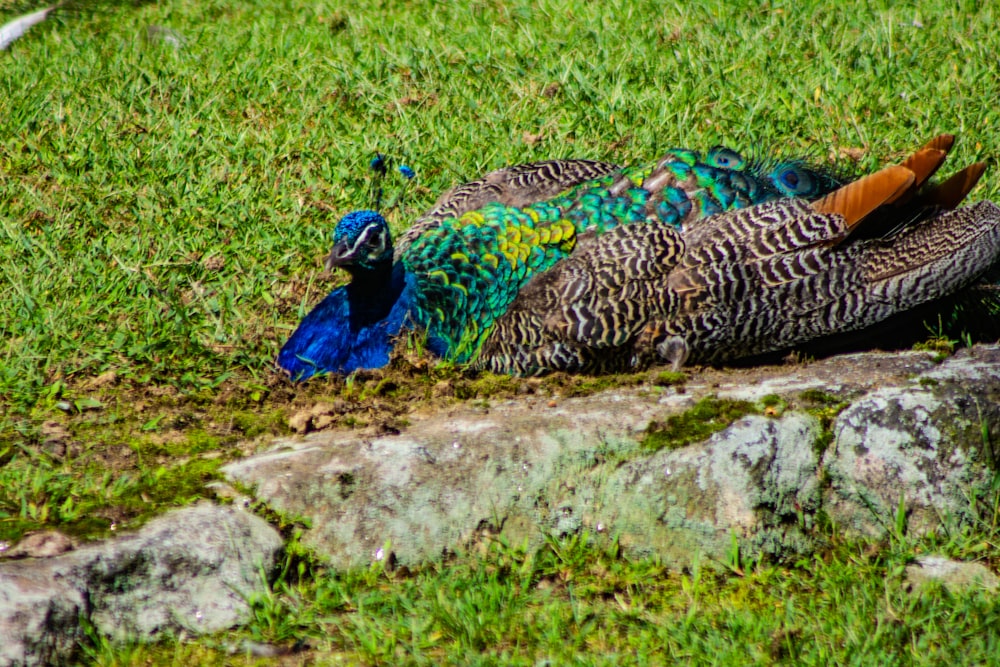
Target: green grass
578 601
163 211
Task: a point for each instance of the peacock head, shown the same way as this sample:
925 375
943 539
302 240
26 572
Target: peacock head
361 240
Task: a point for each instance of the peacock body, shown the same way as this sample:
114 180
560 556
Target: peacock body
460 268
755 280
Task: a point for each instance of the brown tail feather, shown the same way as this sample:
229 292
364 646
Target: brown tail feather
856 200
950 193
942 142
924 163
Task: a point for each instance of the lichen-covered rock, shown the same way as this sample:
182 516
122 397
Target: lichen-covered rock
434 488
754 480
911 432
39 617
926 448
191 569
890 454
532 466
952 574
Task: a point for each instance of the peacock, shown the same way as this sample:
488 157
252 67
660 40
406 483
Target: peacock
454 273
753 280
621 268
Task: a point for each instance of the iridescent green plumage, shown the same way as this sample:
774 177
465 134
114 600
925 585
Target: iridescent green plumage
470 268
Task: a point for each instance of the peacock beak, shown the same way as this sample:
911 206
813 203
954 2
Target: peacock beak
340 255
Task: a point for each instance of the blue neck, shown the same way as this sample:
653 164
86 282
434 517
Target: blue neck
353 327
373 292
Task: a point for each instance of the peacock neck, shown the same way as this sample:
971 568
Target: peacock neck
373 291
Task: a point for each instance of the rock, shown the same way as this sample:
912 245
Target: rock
908 449
441 483
44 544
301 421
931 444
190 570
912 429
952 574
913 434
752 480
316 418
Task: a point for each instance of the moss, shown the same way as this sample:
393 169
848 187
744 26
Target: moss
252 424
773 405
385 387
823 441
942 347
707 416
118 465
576 385
173 486
669 378
817 396
200 397
89 503
772 400
825 407
486 385
199 441
928 382
939 344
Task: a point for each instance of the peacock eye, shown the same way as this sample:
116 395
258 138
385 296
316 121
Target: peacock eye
793 181
725 158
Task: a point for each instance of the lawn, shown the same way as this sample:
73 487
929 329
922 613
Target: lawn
169 176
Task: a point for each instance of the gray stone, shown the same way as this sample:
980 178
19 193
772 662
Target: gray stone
534 466
753 481
190 570
913 431
43 544
925 448
890 455
952 574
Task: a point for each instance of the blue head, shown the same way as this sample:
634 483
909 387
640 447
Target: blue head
361 241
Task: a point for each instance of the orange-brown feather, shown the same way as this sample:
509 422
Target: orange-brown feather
856 200
950 193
